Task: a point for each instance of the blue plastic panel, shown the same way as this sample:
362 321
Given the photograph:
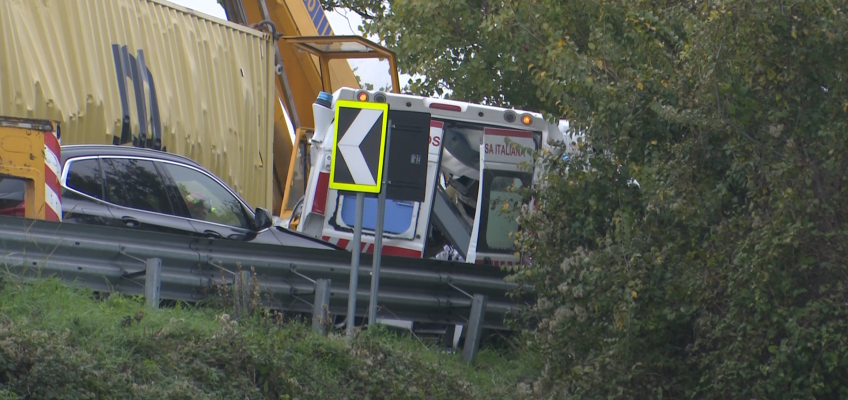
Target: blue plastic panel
398 214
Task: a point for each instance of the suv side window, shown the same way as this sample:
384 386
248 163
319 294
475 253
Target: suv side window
85 176
205 198
136 184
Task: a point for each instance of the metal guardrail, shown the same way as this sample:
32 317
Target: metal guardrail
106 259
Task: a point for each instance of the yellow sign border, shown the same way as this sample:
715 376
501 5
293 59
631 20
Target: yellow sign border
351 187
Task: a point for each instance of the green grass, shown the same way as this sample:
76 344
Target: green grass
58 342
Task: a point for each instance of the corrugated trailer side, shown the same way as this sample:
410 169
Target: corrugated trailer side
147 73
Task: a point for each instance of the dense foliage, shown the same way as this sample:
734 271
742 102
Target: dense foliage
61 343
724 274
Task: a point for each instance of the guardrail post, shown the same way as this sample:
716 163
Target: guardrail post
320 306
243 291
475 328
152 281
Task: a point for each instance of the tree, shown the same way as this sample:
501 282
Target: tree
724 274
455 45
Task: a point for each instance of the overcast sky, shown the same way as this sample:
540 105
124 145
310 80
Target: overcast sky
370 71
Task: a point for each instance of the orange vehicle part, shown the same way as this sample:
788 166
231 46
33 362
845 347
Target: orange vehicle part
329 48
31 153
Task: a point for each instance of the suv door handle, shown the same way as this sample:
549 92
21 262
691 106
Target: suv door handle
212 234
130 222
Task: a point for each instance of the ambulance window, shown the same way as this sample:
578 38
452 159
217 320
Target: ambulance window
499 223
398 217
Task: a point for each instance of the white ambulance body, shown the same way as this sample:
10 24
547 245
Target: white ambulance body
478 156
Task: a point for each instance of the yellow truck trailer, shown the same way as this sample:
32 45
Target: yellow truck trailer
146 73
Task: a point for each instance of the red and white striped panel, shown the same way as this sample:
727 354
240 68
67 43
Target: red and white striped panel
52 172
369 248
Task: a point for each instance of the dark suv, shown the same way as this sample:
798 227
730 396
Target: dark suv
154 191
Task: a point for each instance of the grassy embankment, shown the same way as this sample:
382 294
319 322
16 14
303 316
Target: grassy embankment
63 343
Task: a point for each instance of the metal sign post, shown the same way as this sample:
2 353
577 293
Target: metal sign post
354 265
404 179
378 236
357 166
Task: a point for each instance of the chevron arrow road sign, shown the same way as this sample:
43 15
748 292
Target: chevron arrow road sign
360 133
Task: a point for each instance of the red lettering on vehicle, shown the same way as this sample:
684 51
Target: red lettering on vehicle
435 141
504 150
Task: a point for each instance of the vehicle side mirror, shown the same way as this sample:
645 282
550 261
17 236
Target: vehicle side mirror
263 219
